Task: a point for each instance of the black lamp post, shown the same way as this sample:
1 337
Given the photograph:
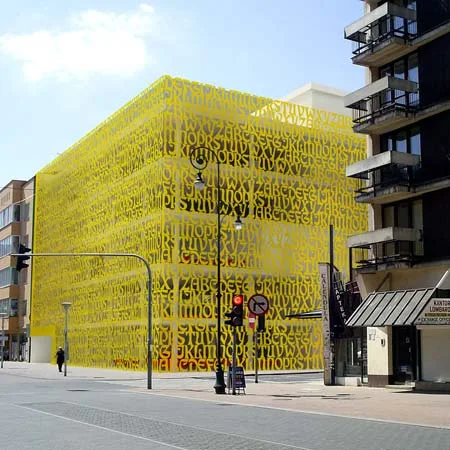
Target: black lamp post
66 306
199 157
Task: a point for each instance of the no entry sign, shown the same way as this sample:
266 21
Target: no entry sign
258 304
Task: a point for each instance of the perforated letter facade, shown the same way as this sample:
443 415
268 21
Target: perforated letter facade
127 186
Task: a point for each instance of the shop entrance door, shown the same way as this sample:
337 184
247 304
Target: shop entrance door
404 354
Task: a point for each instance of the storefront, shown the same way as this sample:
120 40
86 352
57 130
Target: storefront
408 336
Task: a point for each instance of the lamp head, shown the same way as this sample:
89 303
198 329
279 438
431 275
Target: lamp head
238 223
199 183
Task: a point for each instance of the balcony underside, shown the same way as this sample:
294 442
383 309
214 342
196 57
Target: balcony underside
362 169
383 235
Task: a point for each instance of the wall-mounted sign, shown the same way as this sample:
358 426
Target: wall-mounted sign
436 312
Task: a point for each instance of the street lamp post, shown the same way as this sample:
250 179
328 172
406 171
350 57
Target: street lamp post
3 315
199 158
66 306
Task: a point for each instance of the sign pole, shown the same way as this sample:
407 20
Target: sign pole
233 367
258 306
256 355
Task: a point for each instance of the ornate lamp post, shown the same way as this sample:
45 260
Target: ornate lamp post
199 158
66 306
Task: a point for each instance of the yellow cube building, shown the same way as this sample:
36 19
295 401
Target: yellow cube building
127 187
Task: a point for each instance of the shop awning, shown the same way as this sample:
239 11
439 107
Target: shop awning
391 308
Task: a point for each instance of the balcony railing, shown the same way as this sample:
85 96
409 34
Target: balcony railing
379 260
384 96
388 245
384 103
390 177
362 169
400 252
384 23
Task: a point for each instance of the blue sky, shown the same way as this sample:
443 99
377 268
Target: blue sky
66 66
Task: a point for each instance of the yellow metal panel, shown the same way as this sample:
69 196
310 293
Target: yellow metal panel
128 187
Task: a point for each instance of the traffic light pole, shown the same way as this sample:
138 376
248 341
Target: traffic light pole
149 295
233 359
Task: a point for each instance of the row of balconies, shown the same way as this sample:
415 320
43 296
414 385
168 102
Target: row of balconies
385 34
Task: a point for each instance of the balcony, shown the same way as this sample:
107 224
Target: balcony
384 34
387 177
388 247
384 105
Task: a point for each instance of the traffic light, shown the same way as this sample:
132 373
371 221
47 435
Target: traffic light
21 258
236 315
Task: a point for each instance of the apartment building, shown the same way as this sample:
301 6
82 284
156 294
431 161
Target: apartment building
128 187
16 211
404 111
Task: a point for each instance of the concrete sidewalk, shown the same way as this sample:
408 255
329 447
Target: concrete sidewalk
392 405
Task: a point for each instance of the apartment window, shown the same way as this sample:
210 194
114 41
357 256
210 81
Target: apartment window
13 308
412 24
407 214
8 277
417 222
9 306
413 75
9 215
415 146
22 307
406 68
403 221
4 306
402 214
25 211
5 217
397 24
406 140
9 245
399 69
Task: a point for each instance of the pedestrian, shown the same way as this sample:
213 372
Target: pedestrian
60 358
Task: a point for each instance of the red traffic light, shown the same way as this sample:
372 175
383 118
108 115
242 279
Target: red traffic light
238 300
236 315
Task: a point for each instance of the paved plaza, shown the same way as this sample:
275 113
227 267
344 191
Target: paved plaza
303 392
